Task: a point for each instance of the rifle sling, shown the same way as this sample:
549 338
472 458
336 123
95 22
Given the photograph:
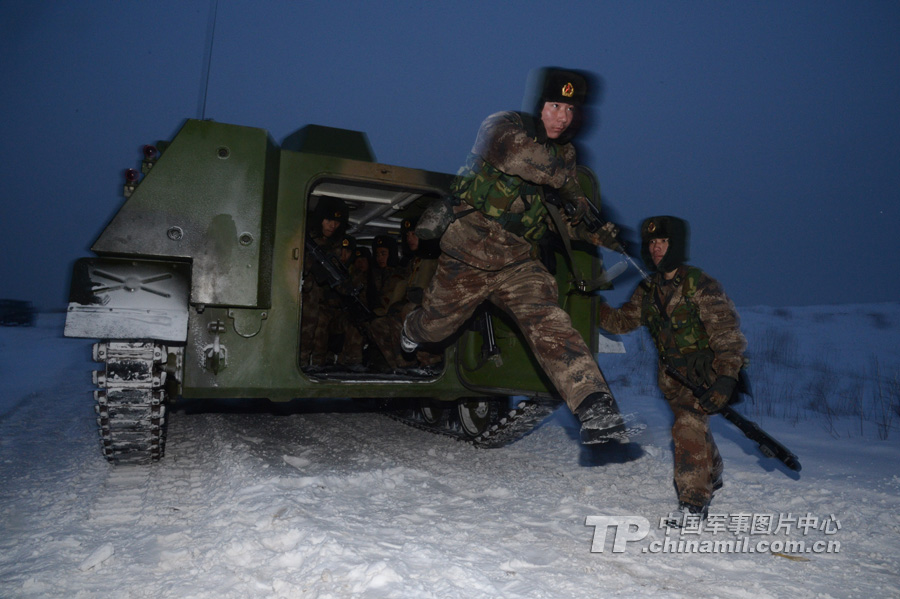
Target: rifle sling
580 282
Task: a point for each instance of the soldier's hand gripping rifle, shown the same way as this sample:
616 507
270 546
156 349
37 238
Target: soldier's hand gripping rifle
594 223
328 269
767 445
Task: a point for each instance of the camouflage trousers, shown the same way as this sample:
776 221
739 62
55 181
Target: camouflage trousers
697 461
315 319
354 342
385 332
322 316
528 293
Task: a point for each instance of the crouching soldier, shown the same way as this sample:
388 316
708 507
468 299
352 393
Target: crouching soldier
696 330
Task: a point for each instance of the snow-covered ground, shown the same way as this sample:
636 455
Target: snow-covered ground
340 502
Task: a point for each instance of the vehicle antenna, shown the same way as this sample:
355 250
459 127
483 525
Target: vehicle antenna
207 59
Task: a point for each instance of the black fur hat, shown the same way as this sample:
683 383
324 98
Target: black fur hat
349 242
428 248
564 86
551 84
387 241
676 231
331 209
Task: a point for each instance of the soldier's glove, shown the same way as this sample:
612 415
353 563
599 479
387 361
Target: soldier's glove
700 367
718 395
436 218
606 236
576 210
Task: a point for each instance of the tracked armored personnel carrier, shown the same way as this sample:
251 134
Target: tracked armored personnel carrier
194 292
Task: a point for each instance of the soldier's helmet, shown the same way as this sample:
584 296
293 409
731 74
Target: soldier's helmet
551 84
676 231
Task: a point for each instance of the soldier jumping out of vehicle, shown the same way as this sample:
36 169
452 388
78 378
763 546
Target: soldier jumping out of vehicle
696 331
490 253
320 303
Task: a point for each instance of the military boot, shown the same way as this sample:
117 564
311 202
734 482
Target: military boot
600 419
407 345
687 515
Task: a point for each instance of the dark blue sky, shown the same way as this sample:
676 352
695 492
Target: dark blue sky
773 127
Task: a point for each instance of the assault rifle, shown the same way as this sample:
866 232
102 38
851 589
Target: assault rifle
767 445
328 269
592 221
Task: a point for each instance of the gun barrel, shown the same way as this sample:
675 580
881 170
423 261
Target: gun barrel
767 444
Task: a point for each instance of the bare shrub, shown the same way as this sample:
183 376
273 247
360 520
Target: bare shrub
775 346
823 317
820 400
887 401
783 313
879 320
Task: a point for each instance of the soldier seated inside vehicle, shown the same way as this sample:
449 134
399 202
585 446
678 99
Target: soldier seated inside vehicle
418 265
353 304
320 301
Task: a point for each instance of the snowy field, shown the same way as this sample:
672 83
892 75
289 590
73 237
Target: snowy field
338 502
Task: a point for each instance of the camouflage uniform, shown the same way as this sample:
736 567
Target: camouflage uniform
348 343
319 303
696 329
354 342
384 279
490 253
320 308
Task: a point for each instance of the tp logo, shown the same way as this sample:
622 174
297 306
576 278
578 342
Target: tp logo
626 528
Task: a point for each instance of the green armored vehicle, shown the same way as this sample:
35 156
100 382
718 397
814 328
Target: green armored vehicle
195 292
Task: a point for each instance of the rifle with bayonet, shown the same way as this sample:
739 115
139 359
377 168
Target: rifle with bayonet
329 270
767 445
594 223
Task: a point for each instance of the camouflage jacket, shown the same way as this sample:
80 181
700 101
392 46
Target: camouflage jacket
384 281
330 245
686 315
502 179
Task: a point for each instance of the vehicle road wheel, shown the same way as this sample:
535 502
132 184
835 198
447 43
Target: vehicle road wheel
475 416
433 415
